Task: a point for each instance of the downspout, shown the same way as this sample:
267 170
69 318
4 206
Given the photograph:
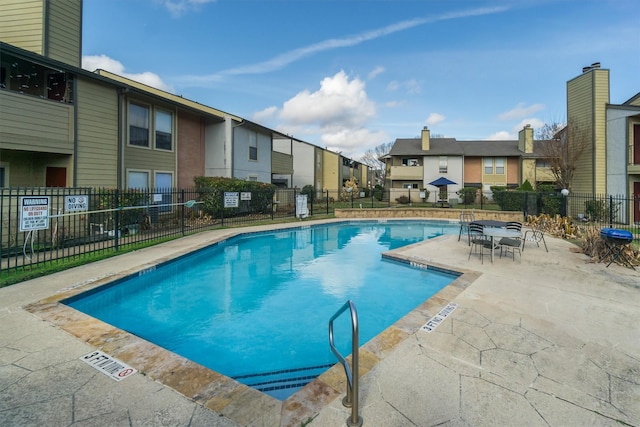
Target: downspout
75 132
120 155
45 30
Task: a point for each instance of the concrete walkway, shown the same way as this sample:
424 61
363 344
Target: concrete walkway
550 339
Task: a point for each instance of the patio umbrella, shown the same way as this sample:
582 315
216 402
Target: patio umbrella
442 183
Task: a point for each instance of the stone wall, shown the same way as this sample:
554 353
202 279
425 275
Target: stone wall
427 213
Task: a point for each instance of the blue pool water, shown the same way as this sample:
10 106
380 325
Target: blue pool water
256 307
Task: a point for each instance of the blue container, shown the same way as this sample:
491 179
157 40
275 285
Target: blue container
615 235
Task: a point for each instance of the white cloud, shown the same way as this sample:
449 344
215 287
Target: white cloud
282 60
501 136
434 119
374 73
535 123
520 111
178 7
339 102
336 116
393 85
103 62
265 115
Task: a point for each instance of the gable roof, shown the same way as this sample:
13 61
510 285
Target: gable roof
437 147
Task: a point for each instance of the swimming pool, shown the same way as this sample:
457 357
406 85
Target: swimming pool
255 307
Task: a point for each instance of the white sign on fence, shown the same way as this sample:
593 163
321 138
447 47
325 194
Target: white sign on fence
34 213
245 195
301 206
76 203
231 199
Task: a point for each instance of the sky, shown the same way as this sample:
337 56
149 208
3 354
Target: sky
350 75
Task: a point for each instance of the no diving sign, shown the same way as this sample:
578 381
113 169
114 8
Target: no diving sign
108 365
34 213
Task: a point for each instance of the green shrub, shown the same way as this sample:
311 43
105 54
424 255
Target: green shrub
211 193
309 191
468 195
526 186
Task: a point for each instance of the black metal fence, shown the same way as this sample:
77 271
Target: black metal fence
48 225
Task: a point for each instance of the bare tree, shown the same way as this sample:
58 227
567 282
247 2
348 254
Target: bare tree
372 157
562 146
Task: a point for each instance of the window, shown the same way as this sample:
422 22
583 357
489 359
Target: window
137 179
409 185
253 146
2 176
488 165
138 125
409 162
163 186
442 166
163 130
500 165
252 178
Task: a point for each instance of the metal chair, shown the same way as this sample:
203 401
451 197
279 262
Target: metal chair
465 219
534 235
477 239
512 243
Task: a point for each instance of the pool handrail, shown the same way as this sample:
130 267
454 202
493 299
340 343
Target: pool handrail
351 399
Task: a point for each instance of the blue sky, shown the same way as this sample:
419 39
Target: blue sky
349 75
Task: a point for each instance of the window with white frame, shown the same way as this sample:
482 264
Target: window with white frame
253 146
409 185
164 184
500 165
138 125
488 165
443 164
138 179
163 129
409 162
252 178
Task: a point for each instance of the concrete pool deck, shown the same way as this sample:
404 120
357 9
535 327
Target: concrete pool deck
550 339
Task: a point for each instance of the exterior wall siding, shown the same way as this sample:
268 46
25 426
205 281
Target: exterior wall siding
513 170
587 96
304 165
217 162
330 172
64 31
97 135
22 24
33 124
190 147
472 169
281 163
243 168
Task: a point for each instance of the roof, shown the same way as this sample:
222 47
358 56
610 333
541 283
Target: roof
437 147
453 147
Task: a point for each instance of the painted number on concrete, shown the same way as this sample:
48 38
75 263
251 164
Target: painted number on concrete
439 318
108 365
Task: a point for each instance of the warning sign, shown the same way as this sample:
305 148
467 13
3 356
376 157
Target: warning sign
76 203
108 365
231 199
34 213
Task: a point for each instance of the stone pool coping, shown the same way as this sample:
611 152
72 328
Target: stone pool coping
238 402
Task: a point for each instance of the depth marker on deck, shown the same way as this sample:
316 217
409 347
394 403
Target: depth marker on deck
108 365
439 318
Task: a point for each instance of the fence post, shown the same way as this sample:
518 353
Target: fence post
222 208
327 199
116 219
182 209
610 211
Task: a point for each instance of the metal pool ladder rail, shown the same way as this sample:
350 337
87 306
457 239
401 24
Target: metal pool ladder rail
351 399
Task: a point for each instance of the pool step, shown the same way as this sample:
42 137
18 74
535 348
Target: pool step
284 379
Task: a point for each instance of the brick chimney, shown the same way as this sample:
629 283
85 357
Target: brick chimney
426 138
525 139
